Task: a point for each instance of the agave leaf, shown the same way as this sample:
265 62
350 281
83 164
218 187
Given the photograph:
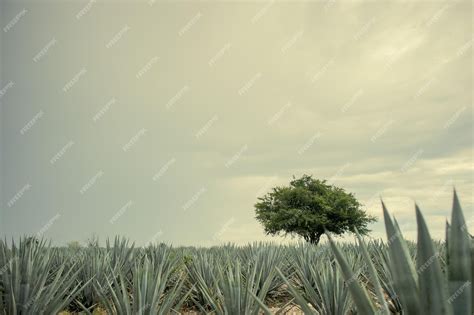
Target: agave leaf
401 265
299 299
63 300
125 297
116 300
331 286
459 266
84 309
206 288
472 271
13 306
359 294
104 299
373 274
180 303
448 231
430 278
263 307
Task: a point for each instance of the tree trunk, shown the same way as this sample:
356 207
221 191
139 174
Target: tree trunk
315 237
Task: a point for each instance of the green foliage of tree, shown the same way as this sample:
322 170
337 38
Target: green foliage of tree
308 207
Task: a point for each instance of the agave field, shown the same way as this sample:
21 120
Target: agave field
393 277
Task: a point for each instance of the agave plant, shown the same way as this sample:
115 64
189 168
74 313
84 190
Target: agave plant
265 258
381 261
121 253
202 271
325 290
31 282
422 288
317 286
236 290
100 264
95 262
148 292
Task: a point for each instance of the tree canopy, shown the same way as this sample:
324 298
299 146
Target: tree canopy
308 207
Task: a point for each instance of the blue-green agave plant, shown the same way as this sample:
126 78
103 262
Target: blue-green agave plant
419 285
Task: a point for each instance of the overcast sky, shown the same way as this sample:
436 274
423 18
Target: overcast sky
164 121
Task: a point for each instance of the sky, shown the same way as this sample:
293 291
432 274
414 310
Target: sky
164 121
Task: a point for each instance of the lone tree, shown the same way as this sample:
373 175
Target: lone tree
308 208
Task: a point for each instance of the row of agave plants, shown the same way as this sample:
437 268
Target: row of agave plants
396 276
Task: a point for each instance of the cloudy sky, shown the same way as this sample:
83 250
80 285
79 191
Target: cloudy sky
165 120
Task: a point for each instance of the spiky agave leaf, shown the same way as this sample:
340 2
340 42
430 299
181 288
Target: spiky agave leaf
300 300
401 265
359 294
382 265
373 275
459 262
430 278
472 271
